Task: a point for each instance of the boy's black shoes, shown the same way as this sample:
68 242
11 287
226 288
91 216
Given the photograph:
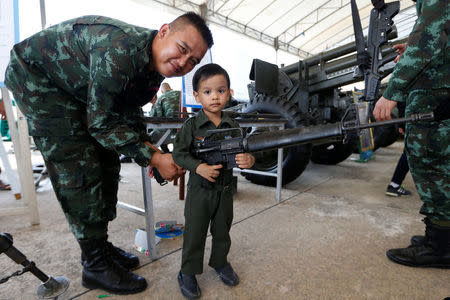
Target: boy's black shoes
396 192
227 274
189 286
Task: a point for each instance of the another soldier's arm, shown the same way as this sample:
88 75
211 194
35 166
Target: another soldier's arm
383 109
426 41
156 108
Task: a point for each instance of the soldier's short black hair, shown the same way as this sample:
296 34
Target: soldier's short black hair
208 71
198 22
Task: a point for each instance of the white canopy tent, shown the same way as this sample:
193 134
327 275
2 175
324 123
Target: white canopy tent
277 31
300 27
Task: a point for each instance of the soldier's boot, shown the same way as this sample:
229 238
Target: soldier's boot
100 271
119 256
417 240
434 252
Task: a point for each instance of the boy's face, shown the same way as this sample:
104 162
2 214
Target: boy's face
175 53
213 94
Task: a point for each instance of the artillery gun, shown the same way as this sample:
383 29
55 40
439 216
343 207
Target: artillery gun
308 93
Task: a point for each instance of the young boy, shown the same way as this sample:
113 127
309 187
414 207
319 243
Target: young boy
211 85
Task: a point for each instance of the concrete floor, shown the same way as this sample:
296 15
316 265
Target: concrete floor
326 240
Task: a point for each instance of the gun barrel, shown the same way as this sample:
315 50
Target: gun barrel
338 52
412 118
291 137
316 134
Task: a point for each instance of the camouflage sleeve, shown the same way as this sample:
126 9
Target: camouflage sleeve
156 110
171 105
109 77
426 41
181 147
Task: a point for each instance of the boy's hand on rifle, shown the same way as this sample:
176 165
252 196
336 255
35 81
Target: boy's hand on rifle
245 160
208 172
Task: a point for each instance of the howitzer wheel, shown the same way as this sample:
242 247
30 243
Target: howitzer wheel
335 152
332 153
295 159
385 136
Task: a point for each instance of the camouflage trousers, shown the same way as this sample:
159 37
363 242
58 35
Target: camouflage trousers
427 146
84 174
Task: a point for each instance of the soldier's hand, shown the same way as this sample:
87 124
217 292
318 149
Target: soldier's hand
168 169
208 172
245 160
2 109
383 108
400 48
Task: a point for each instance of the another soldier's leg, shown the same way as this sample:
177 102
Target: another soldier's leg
428 152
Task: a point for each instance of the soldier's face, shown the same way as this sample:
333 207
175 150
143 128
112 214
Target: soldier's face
175 53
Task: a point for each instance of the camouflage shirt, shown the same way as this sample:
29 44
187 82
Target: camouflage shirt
104 64
167 105
426 62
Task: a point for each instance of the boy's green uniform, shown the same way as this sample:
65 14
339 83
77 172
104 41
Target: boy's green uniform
422 78
81 84
204 206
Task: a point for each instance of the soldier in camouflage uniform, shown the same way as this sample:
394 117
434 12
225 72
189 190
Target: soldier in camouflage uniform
81 84
167 105
422 78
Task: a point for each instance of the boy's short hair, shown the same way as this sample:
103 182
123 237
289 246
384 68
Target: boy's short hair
208 71
197 21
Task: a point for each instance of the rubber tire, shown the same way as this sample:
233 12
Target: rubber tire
335 152
324 155
385 136
296 158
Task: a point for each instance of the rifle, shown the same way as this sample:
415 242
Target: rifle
214 152
369 54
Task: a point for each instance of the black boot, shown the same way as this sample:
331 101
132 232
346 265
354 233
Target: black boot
434 252
100 271
417 240
189 286
125 259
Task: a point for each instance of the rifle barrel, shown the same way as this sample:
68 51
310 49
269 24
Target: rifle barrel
316 134
291 137
412 118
